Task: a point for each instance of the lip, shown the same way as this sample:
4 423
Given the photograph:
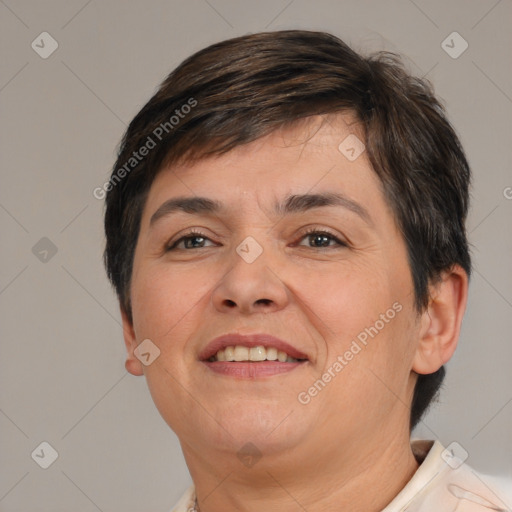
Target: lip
251 340
251 369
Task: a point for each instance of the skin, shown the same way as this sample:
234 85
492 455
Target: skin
349 447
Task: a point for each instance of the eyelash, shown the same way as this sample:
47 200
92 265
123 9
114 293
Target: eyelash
326 233
191 234
309 232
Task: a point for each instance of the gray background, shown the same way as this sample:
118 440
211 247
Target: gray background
62 375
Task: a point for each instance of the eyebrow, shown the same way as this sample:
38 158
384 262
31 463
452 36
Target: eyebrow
296 203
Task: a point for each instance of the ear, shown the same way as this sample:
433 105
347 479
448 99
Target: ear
132 364
441 321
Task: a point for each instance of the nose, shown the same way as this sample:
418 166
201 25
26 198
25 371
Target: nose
249 287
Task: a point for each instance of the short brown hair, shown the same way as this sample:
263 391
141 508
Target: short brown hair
243 88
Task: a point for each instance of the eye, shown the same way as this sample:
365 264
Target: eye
191 240
322 239
196 240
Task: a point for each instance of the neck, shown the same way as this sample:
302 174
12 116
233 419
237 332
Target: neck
350 478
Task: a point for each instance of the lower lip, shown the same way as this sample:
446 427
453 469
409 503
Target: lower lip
250 370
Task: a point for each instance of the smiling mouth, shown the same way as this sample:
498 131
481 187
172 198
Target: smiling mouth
259 353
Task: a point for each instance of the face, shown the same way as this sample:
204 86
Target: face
328 277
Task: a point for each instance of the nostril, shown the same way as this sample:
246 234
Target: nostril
265 301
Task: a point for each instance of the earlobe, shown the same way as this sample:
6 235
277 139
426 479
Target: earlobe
132 364
441 321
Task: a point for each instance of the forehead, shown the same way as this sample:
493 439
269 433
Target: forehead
320 152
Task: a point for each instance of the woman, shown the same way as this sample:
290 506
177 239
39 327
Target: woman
285 231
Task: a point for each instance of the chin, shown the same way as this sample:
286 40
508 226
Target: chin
271 428
230 426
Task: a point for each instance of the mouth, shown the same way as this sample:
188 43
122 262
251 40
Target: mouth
251 356
259 353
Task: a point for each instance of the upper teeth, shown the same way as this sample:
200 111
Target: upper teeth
259 353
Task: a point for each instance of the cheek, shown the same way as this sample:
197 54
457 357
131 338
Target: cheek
368 311
376 374
163 299
351 297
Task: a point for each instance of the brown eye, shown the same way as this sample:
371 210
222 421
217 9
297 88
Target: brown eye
192 240
322 239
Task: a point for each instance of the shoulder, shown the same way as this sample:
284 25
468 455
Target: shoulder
444 483
479 492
